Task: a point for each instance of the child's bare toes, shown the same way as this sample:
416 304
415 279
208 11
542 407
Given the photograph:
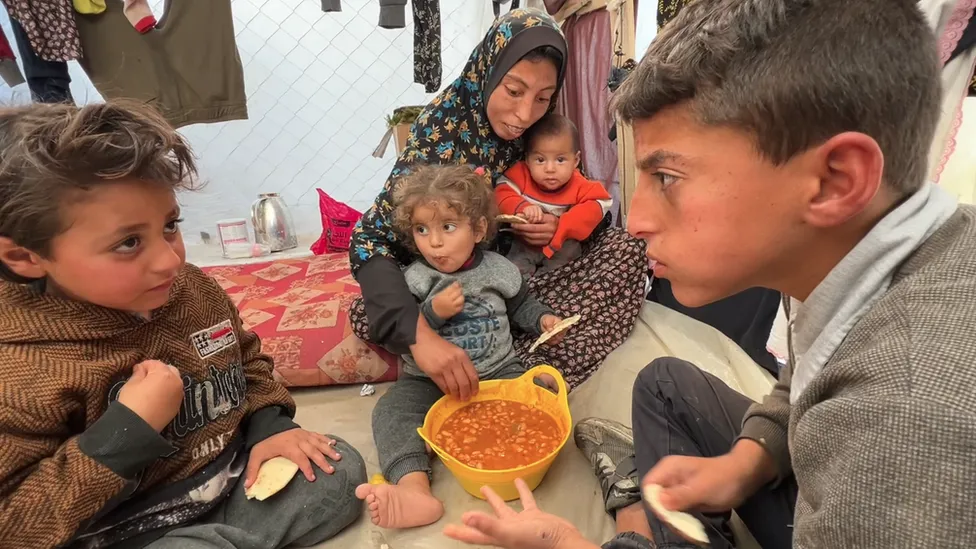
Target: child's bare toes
392 506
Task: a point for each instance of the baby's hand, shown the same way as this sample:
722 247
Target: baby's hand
449 302
548 322
533 214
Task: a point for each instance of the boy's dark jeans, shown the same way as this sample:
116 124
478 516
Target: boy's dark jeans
746 318
630 540
680 410
303 514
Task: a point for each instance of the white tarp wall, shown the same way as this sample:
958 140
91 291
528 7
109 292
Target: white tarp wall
319 86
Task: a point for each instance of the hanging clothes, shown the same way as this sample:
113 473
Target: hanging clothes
496 6
188 67
50 27
583 100
668 10
393 14
9 71
967 41
426 37
89 7
140 15
427 44
427 63
959 62
48 81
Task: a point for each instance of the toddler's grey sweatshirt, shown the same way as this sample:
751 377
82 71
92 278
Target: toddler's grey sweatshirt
495 295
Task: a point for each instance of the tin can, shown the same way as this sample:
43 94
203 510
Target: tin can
232 234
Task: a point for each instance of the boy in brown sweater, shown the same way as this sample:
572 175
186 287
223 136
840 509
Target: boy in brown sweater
134 407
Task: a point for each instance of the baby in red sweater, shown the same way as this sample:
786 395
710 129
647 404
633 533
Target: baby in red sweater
548 182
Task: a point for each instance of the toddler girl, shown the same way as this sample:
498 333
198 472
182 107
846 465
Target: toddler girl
471 297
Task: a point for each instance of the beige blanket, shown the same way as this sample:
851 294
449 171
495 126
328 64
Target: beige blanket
570 489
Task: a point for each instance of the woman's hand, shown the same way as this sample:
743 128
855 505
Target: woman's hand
537 234
447 364
530 529
301 446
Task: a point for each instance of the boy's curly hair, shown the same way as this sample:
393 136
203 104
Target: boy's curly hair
50 154
460 188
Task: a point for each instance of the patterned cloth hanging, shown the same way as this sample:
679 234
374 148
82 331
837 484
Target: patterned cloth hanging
427 44
50 27
668 10
967 41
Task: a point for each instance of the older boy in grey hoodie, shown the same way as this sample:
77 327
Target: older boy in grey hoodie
783 144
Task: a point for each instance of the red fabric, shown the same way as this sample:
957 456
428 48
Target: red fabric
578 203
338 220
300 310
585 97
146 24
552 6
6 52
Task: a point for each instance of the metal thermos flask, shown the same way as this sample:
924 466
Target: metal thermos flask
272 222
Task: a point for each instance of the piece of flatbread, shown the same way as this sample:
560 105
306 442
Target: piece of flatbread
273 476
514 219
560 327
684 524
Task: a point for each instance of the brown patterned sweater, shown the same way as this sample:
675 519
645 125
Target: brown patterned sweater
78 468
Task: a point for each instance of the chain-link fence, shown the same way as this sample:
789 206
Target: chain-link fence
319 86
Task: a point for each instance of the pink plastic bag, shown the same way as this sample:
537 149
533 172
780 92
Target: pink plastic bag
338 221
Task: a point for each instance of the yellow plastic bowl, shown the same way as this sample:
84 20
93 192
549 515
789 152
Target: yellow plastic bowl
523 390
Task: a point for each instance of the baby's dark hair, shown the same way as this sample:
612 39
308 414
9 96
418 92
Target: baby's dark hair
552 125
460 188
51 154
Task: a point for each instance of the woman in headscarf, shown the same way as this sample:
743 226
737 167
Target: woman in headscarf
510 81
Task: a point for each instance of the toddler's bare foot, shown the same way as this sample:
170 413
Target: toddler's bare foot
403 505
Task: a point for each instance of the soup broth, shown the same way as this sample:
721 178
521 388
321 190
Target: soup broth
498 434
